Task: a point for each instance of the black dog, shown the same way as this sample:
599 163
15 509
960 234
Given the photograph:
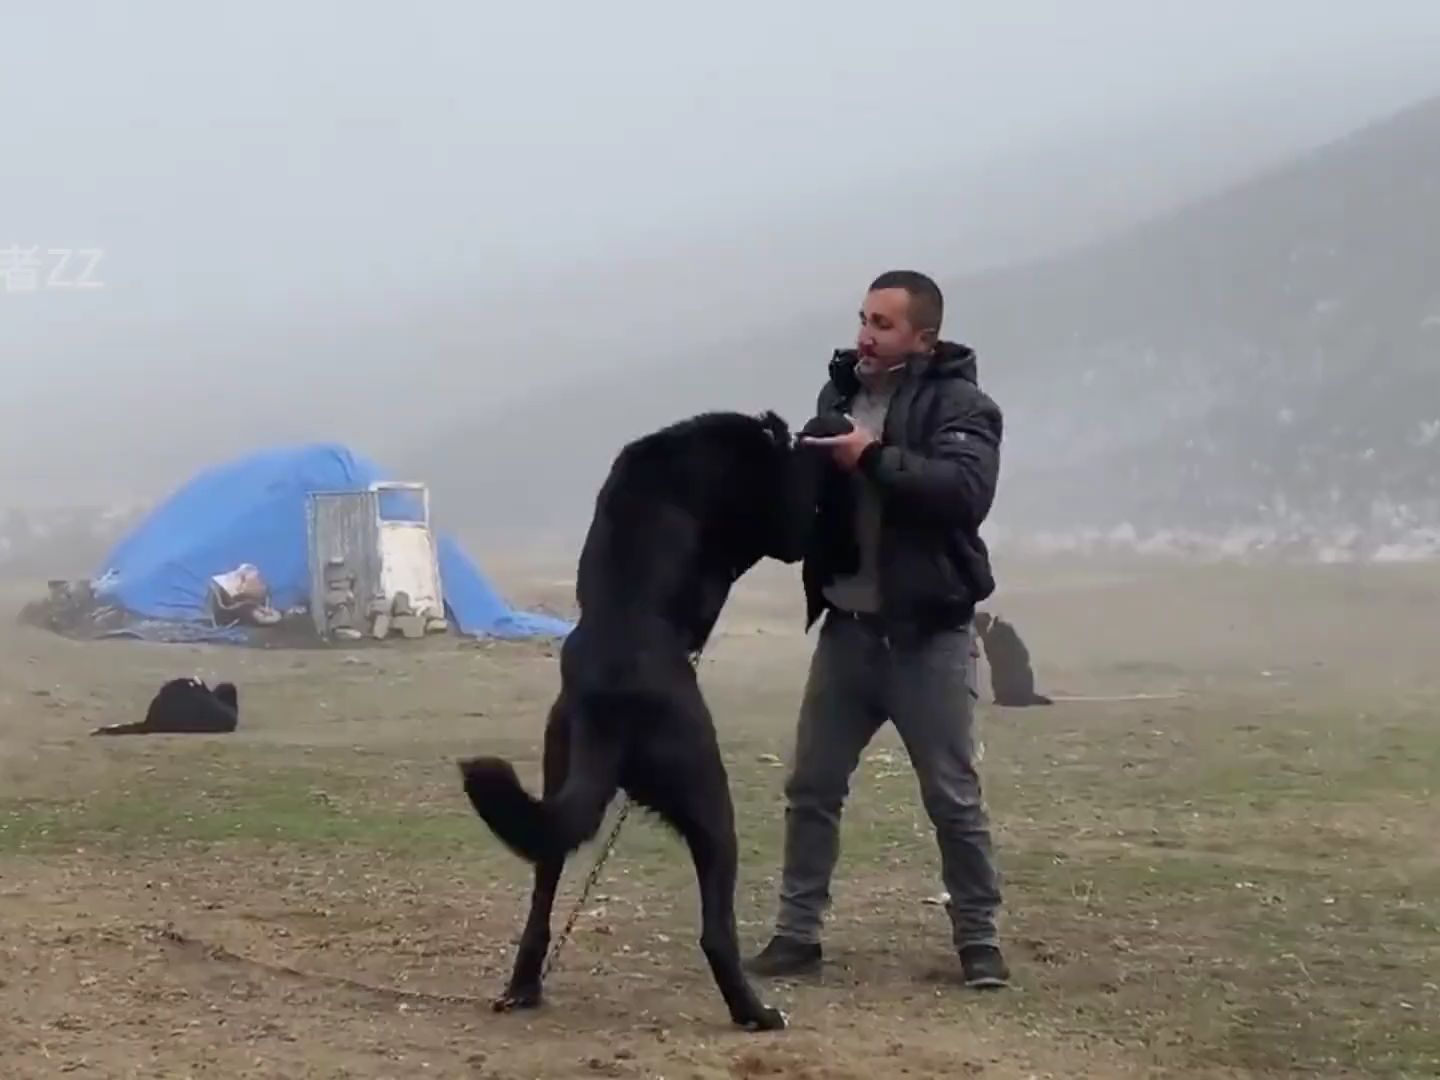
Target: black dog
1012 678
683 514
185 706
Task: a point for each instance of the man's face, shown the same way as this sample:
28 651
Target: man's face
886 335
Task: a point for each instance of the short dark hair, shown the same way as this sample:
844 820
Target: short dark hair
927 304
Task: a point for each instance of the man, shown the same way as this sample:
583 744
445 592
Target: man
897 569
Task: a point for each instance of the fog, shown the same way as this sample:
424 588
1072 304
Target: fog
418 229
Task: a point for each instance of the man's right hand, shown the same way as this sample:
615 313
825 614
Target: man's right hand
848 446
826 425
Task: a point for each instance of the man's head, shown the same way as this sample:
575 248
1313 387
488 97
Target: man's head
900 317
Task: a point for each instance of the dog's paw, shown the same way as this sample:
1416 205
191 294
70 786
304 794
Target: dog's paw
766 1019
517 998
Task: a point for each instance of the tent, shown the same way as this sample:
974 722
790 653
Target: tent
253 510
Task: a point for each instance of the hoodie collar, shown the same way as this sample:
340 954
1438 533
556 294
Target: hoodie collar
950 360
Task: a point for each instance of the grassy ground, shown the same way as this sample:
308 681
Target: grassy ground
1241 880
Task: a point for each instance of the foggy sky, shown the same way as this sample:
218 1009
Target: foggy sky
294 199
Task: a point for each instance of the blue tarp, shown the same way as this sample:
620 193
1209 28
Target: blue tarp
253 510
166 632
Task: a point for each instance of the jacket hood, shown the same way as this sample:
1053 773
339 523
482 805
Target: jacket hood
955 361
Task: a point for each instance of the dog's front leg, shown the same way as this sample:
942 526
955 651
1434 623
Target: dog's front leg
721 944
525 990
708 825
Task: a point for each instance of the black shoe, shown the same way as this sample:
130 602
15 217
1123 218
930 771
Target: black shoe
785 957
985 967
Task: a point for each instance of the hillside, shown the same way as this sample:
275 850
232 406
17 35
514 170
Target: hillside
1269 356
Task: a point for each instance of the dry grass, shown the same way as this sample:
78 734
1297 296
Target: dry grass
1243 880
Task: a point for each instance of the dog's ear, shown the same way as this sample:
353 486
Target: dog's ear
775 427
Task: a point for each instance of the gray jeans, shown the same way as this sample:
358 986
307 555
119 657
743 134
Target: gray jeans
859 678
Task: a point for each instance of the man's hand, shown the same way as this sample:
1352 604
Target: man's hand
847 448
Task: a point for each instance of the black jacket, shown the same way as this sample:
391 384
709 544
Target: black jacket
935 467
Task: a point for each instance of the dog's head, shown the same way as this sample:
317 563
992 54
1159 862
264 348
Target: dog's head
744 481
227 693
801 478
688 509
789 485
735 487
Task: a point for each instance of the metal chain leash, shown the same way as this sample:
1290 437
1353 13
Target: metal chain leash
594 877
590 883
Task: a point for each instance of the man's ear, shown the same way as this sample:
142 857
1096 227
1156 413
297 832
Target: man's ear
929 339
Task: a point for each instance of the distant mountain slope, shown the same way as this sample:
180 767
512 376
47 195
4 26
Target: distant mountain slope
1270 355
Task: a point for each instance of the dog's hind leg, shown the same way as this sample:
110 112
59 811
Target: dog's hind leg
696 798
524 990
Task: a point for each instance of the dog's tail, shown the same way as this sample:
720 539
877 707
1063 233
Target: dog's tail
538 829
135 727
